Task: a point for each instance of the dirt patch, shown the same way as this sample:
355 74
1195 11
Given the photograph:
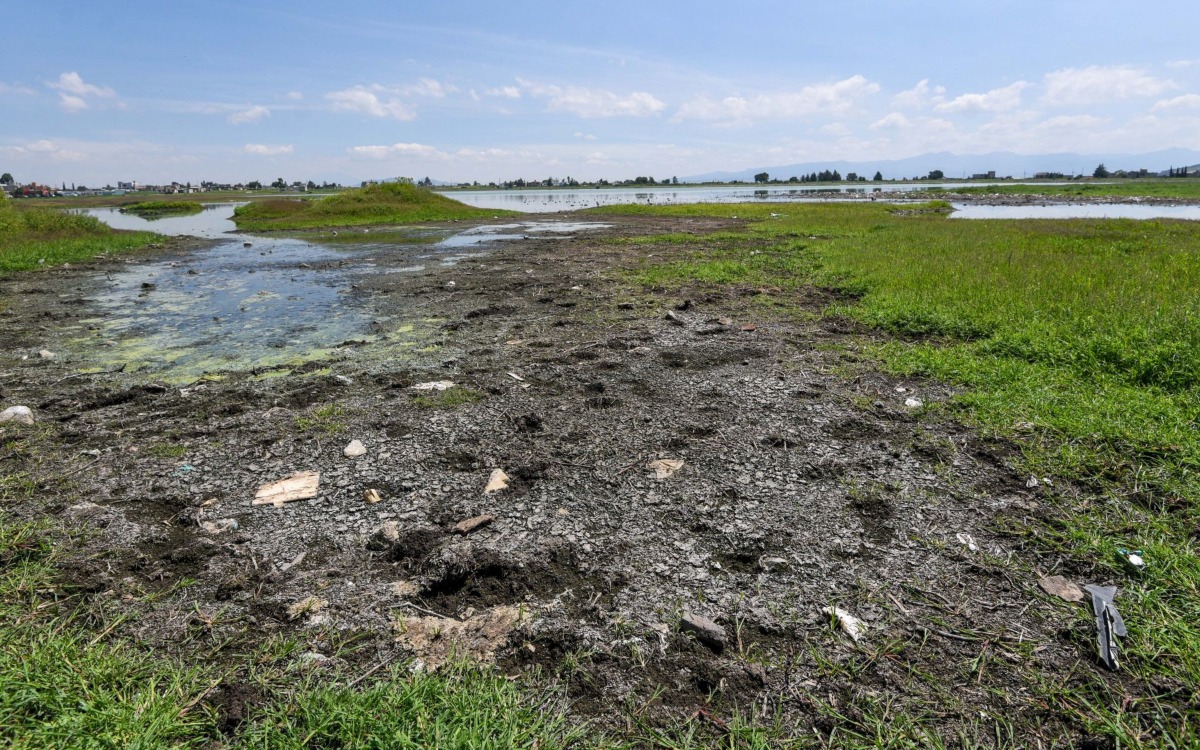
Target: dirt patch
803 485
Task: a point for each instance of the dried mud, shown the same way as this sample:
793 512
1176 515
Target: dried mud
806 483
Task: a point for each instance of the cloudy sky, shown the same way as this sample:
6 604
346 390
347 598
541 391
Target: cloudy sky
348 90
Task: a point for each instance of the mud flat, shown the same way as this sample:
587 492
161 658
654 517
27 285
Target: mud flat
690 481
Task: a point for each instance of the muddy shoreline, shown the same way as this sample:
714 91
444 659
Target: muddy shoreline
797 478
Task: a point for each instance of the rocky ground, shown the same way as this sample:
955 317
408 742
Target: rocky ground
698 484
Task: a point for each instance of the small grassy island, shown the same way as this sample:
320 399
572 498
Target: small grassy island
34 237
162 209
387 203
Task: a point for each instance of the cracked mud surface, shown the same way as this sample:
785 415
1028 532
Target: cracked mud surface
806 483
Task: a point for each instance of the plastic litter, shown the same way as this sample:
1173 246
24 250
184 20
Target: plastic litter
665 467
967 541
1131 559
355 449
299 486
435 385
496 482
850 625
1109 624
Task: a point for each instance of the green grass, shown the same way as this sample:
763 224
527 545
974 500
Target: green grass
1079 340
1122 188
327 419
159 209
31 238
451 398
388 203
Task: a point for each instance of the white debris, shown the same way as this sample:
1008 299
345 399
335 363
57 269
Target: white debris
46 354
851 625
299 486
496 482
1032 482
435 385
665 467
220 525
355 449
967 541
371 496
18 414
913 403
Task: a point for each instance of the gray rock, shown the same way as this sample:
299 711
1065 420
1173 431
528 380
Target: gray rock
18 414
385 537
705 630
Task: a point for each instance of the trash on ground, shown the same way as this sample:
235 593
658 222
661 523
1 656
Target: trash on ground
220 526
435 385
496 482
471 524
47 354
705 630
436 641
516 377
309 605
18 414
676 319
851 625
749 328
355 449
967 541
1131 559
665 467
300 486
1109 624
1061 587
913 403
371 496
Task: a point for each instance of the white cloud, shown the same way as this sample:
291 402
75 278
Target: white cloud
428 87
1186 101
72 83
585 136
397 149
507 92
73 92
919 96
895 120
294 96
835 129
832 99
15 89
71 103
997 100
588 103
1099 84
253 114
43 149
1183 63
364 101
261 149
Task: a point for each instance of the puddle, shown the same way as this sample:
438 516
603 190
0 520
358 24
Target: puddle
215 221
1076 211
269 307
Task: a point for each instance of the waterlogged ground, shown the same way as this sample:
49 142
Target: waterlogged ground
267 304
719 452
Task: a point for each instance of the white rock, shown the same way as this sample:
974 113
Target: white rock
851 625
435 385
46 354
913 403
355 449
18 414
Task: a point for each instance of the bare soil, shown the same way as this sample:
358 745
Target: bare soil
806 483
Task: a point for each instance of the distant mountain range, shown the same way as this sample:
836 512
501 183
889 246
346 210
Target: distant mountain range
1003 163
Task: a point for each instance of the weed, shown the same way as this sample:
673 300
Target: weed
450 398
325 418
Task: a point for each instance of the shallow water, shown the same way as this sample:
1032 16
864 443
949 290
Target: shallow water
278 303
1076 211
216 220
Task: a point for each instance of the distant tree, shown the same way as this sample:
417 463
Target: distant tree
279 183
254 185
878 177
6 179
762 177
312 185
852 176
1100 171
674 180
935 174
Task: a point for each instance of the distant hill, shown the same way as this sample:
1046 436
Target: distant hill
1003 163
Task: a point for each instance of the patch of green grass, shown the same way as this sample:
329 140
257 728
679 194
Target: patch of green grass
1116 187
450 398
31 238
159 209
387 203
166 450
325 418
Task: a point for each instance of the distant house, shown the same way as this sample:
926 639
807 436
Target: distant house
989 175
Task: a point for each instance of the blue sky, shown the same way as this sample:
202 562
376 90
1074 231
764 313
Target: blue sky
347 90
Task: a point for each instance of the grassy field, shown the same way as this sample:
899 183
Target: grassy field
1119 188
389 203
159 209
35 237
1077 340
